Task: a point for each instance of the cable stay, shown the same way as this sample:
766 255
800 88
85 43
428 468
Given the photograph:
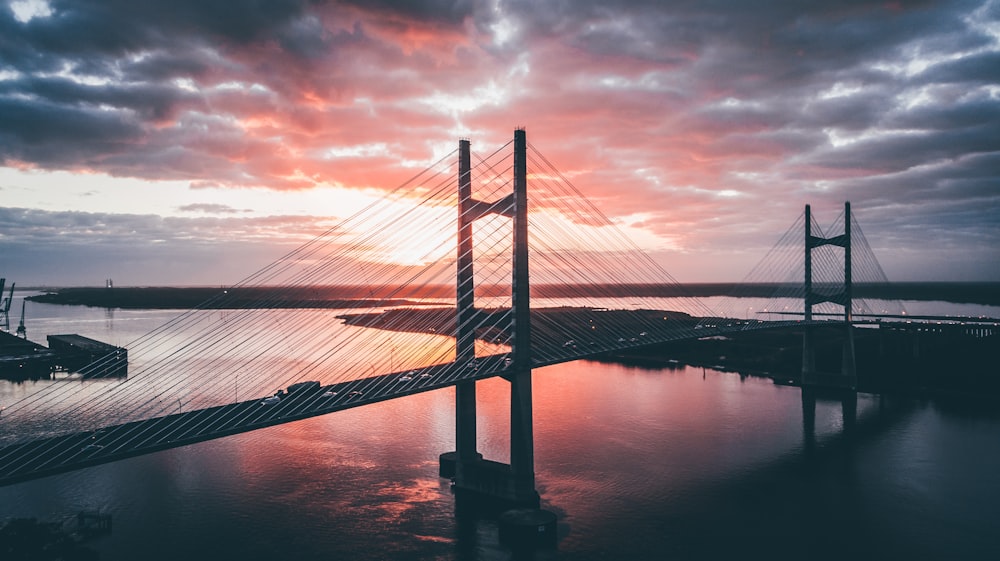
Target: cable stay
366 311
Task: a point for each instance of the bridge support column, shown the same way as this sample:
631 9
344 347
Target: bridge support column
848 363
465 327
808 348
808 357
456 464
808 419
848 368
522 440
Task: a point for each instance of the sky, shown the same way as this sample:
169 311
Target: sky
193 141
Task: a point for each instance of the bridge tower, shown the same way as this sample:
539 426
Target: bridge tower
848 372
514 483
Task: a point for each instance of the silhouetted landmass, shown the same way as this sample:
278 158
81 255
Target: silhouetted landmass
580 325
987 293
890 356
898 356
158 298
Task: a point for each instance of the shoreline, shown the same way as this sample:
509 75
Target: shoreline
982 293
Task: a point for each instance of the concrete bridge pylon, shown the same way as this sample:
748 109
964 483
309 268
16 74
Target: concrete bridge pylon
512 484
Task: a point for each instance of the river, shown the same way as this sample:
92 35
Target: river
637 463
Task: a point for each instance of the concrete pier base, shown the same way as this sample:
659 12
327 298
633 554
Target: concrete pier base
448 464
487 481
527 528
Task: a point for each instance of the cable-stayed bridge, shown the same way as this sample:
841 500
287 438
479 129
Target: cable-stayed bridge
454 302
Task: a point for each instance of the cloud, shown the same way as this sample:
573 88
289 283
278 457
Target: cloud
42 247
706 124
32 227
209 208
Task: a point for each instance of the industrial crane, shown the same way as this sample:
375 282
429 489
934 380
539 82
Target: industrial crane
21 331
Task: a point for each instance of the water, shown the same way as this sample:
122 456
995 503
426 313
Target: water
637 463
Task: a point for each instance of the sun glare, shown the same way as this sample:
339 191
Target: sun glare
402 233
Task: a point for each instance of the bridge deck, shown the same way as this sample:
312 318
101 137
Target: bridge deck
38 458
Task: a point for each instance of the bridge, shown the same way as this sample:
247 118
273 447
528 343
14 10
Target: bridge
212 372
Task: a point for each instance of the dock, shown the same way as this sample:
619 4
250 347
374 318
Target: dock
21 359
90 357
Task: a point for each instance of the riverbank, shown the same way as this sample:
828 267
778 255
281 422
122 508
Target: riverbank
984 293
176 298
888 357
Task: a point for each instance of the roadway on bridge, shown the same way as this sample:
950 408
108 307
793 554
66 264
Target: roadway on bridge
30 460
38 458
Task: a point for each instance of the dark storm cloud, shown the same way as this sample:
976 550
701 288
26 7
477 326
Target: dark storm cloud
969 181
121 58
54 135
978 68
162 65
900 151
780 64
448 11
148 102
831 31
81 28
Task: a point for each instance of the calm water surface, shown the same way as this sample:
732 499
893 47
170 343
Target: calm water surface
637 463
